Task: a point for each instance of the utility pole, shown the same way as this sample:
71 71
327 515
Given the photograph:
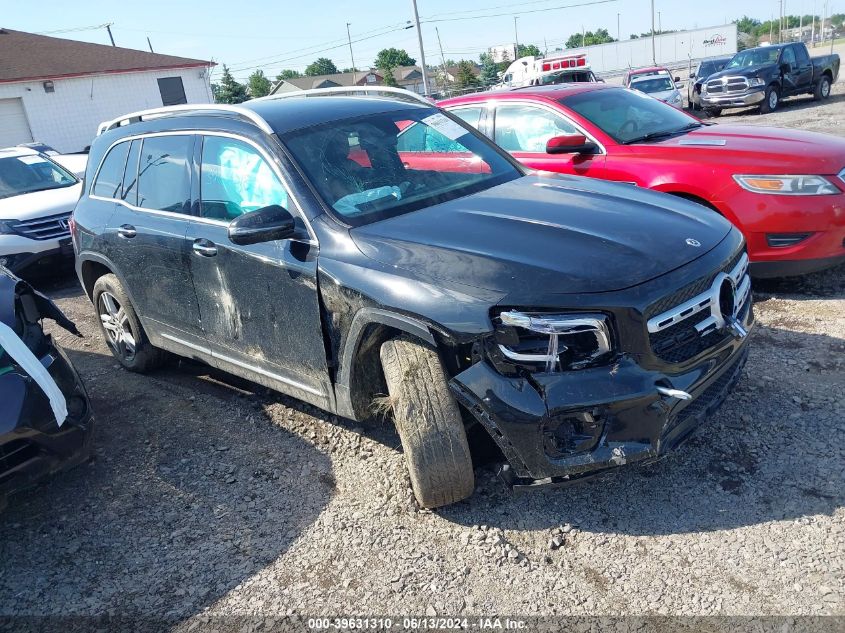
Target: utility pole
351 54
150 44
422 50
618 30
442 56
824 19
813 27
653 52
583 36
660 22
516 40
108 28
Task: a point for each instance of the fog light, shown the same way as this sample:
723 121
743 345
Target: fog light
571 433
782 240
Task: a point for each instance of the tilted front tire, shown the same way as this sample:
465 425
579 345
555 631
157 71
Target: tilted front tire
822 89
121 328
429 424
770 101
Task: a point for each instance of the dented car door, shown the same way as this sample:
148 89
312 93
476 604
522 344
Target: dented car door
258 302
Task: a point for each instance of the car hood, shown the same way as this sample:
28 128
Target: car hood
758 149
663 95
557 233
740 71
40 203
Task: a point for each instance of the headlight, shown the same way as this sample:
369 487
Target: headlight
552 342
788 185
756 82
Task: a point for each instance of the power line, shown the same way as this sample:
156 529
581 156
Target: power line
510 13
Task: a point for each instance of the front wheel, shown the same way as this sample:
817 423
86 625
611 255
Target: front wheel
770 101
121 328
714 112
822 89
429 424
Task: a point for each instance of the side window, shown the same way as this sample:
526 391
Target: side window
130 176
801 54
110 176
164 177
471 115
788 55
235 179
417 137
524 128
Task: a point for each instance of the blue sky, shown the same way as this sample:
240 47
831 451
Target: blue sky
289 34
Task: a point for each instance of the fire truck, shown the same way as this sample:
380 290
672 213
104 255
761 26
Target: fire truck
541 71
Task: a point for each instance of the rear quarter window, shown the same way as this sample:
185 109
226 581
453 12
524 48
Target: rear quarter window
110 177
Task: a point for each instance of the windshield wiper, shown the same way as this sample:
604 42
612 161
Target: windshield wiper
653 135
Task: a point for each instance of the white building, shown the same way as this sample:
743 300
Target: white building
57 91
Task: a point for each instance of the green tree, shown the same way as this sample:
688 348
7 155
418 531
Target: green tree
465 76
321 66
258 84
506 61
590 38
527 50
747 24
230 90
288 74
489 70
393 57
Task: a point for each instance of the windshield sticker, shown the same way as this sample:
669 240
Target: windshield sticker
30 160
446 126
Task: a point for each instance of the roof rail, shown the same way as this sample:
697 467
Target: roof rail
399 93
157 113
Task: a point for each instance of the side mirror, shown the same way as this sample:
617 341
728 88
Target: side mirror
570 144
677 79
265 225
691 76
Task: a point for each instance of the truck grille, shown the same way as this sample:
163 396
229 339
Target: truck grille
733 84
682 325
46 228
15 453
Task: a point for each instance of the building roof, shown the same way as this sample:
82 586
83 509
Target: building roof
26 56
335 79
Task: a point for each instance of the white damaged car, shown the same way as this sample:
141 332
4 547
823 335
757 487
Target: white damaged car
37 196
660 87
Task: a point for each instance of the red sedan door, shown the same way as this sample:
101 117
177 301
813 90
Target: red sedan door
523 129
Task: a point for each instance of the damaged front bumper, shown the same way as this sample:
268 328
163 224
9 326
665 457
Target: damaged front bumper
556 428
33 444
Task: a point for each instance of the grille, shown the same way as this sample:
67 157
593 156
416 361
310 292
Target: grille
682 341
14 454
734 84
47 228
688 292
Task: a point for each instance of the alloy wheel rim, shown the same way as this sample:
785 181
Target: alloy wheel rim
773 100
825 88
116 324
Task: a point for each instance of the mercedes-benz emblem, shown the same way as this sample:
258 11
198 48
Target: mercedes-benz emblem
692 242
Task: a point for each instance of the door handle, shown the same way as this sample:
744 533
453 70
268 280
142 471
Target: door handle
127 231
204 247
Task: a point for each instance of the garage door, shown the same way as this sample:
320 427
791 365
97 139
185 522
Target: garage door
14 127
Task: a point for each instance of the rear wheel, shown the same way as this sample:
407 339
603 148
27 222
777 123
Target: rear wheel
121 328
771 100
429 424
822 89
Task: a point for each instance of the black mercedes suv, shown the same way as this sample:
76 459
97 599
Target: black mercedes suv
367 252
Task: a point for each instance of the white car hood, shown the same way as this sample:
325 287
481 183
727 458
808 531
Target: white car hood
40 203
665 95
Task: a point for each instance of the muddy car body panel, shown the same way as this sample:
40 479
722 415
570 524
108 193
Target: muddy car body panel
32 444
314 308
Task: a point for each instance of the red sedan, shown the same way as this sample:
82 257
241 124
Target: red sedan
784 189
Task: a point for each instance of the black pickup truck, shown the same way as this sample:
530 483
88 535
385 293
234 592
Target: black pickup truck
767 74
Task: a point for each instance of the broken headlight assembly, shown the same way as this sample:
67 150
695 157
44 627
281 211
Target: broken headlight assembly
549 343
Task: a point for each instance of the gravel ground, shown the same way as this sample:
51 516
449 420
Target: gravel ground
212 496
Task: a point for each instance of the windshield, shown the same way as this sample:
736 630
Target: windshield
627 115
708 68
657 84
568 77
382 165
754 57
30 173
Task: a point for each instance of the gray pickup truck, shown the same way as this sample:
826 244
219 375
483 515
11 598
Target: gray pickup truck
767 74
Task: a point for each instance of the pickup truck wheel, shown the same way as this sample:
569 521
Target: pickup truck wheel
429 424
714 112
822 90
770 101
121 328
